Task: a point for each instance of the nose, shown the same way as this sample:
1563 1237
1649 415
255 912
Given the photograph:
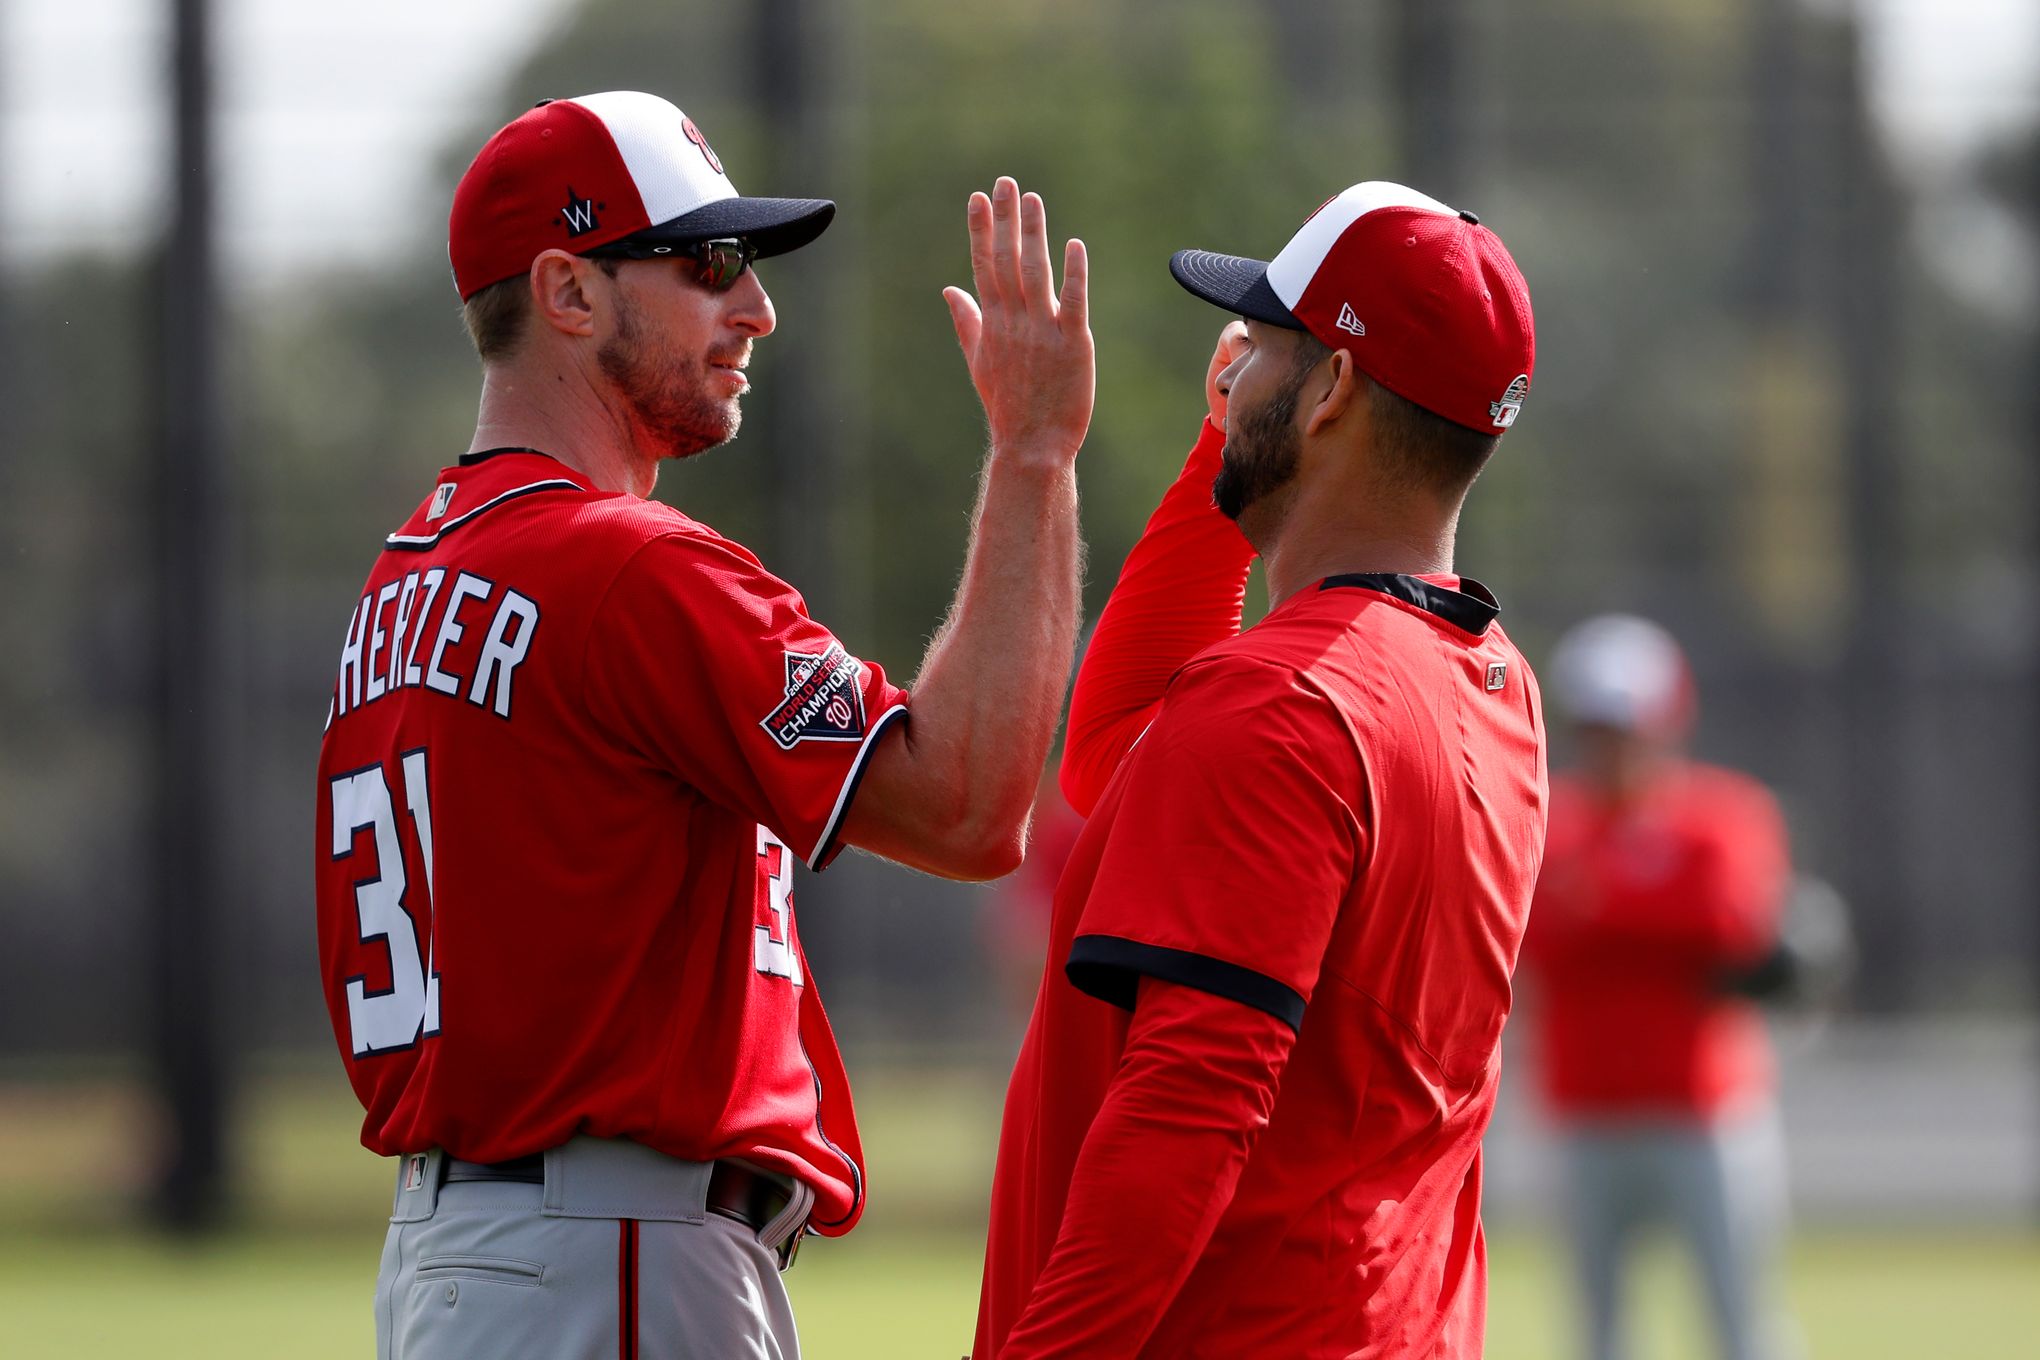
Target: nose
749 309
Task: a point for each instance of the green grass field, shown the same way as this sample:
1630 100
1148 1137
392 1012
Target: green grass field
294 1281
261 1295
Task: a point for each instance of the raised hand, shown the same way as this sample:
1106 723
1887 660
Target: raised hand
1232 343
1029 349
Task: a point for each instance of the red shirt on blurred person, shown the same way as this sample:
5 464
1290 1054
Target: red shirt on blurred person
1639 911
1661 877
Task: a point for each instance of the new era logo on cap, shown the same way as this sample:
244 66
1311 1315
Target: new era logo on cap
1447 320
576 174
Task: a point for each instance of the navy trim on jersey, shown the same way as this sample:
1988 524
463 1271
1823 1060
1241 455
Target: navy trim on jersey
1470 609
819 860
484 455
856 1175
1110 968
424 542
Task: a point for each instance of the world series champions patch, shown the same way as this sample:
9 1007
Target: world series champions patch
824 701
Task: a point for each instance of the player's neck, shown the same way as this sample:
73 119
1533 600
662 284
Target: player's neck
1307 547
565 417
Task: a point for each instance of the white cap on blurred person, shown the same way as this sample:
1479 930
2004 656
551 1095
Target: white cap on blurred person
1617 670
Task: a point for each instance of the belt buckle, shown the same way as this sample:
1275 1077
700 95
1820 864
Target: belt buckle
790 1248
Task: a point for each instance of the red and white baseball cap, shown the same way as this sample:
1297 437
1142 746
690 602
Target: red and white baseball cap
1617 670
1423 296
574 174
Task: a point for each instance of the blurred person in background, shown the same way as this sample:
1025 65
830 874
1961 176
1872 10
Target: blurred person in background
1655 925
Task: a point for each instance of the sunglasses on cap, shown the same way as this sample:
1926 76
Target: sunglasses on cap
718 264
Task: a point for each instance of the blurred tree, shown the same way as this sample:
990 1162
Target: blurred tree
1673 458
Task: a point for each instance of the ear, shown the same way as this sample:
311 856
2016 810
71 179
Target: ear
1335 400
562 289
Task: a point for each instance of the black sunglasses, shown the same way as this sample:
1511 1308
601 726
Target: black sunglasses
718 264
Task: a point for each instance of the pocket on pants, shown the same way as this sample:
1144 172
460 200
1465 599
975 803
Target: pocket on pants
489 1269
462 1307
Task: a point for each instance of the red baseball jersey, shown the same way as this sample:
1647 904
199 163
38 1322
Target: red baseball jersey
577 741
1335 818
1640 911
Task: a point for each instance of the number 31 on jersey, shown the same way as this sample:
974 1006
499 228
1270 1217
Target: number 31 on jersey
385 1020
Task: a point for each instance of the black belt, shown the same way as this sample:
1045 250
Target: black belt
752 1197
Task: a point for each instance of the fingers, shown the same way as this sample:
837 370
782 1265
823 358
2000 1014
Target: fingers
1037 285
977 216
1231 340
1232 343
969 323
1076 294
1005 243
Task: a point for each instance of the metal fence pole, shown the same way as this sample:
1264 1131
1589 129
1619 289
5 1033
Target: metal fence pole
1429 64
187 1044
1867 316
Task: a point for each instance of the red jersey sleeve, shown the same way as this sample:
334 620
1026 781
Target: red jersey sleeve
1721 908
1195 1088
704 663
1747 873
1235 843
1183 588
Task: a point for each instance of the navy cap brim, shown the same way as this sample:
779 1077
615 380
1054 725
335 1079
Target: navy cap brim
1238 285
774 225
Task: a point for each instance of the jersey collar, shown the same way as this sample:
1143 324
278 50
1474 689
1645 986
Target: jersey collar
477 484
1470 608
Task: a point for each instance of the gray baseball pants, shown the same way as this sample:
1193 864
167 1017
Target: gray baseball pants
1720 1188
614 1257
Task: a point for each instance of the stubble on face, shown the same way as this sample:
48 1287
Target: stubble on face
667 392
1262 448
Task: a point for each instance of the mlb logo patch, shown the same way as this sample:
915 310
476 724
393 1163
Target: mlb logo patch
1497 676
1504 411
414 1171
442 497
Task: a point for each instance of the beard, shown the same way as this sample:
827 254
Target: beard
1261 450
668 395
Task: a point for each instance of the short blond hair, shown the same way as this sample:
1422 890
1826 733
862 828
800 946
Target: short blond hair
495 316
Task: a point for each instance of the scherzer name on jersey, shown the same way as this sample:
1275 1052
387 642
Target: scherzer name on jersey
824 700
369 670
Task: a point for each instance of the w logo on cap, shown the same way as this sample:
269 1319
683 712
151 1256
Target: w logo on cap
579 214
1349 321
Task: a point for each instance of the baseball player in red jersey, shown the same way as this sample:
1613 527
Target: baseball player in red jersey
1246 1118
578 741
1664 882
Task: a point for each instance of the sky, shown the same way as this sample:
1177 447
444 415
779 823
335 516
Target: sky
330 117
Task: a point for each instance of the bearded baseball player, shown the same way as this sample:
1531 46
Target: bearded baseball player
578 741
1246 1119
